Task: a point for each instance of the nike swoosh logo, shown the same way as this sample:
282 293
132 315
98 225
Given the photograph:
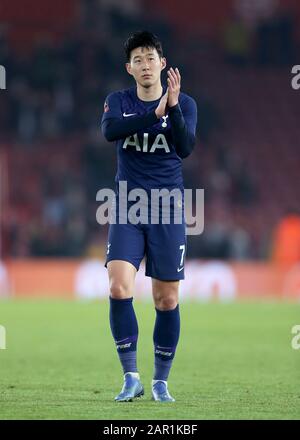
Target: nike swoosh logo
128 114
179 270
122 340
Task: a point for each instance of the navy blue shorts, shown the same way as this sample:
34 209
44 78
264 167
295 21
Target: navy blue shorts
162 245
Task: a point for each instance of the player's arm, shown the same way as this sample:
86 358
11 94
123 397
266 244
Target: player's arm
183 127
115 127
183 119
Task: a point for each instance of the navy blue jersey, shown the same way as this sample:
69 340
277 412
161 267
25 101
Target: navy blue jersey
150 150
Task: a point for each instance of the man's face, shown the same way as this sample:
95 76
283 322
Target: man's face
145 66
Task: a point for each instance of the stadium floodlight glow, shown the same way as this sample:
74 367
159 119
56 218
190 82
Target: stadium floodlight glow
162 206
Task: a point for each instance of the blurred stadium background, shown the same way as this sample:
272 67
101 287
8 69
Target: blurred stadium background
61 59
64 57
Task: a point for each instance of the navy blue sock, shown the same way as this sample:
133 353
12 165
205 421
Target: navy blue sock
165 338
124 328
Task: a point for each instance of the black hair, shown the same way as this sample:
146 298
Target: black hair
142 39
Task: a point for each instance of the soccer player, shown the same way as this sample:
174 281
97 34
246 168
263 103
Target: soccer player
154 127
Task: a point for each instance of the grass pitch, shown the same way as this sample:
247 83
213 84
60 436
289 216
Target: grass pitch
234 361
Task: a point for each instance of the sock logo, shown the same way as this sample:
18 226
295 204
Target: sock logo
164 353
124 345
121 340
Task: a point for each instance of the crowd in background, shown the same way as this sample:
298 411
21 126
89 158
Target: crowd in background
56 93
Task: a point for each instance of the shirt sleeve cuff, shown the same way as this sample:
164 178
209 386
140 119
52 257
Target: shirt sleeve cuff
175 109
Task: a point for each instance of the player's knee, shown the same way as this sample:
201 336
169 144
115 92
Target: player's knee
119 290
166 302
